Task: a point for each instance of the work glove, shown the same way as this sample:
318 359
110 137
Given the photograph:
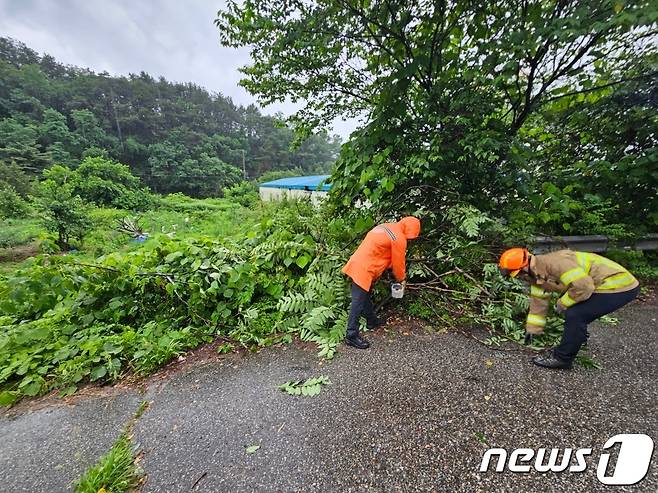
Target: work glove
529 338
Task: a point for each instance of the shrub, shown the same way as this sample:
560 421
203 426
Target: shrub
13 175
12 205
62 212
63 322
244 193
182 203
15 232
107 183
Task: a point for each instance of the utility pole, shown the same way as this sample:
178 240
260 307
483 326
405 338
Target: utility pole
244 169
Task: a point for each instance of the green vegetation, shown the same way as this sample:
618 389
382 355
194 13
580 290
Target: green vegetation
307 388
15 232
115 472
62 212
490 122
176 137
493 122
540 112
67 320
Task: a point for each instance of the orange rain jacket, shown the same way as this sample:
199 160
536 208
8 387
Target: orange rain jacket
384 247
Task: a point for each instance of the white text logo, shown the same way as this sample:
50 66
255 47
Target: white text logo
632 465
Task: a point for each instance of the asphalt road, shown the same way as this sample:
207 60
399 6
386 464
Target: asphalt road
416 412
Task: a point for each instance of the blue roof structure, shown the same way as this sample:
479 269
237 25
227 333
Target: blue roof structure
310 183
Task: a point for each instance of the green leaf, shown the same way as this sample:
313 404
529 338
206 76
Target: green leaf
70 390
31 389
98 372
308 388
252 449
7 397
173 256
110 348
302 261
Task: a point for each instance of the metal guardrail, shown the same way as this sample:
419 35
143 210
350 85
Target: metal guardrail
592 243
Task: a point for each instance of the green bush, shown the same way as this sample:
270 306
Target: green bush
107 183
244 193
115 472
13 175
557 211
102 182
182 203
62 212
12 205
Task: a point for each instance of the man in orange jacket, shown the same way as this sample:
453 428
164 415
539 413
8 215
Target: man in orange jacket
384 247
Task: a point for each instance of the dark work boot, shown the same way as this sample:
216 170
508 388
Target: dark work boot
549 360
357 342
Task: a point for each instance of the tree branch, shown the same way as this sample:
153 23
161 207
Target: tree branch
602 86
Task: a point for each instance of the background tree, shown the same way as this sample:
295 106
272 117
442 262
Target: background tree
61 210
446 87
56 114
104 182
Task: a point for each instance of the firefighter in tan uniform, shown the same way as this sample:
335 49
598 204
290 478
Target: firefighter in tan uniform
589 285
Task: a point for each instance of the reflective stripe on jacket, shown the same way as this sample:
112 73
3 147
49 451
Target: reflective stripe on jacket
575 275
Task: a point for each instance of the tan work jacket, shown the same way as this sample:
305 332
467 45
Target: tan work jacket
576 276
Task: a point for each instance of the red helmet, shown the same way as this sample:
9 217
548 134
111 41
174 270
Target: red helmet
513 260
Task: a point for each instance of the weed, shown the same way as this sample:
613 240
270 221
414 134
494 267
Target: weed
115 472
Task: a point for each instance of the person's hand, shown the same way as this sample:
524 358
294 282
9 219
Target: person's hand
529 338
559 307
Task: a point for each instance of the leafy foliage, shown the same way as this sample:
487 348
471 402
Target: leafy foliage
62 211
13 176
308 388
15 232
244 193
65 322
12 205
481 99
109 184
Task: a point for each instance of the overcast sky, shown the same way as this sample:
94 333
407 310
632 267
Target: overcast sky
173 38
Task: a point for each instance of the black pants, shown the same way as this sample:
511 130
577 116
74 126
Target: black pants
361 304
581 314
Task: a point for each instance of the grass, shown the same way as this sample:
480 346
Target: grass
115 472
16 232
144 405
173 214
